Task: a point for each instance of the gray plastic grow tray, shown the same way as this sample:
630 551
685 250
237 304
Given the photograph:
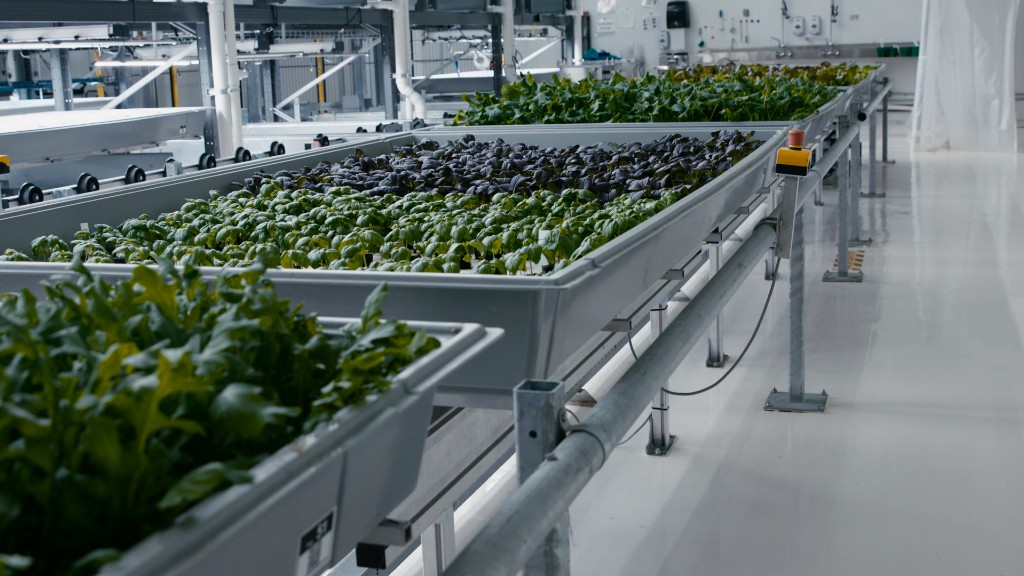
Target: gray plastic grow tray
815 125
312 501
546 319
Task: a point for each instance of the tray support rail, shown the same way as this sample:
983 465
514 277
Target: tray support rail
661 438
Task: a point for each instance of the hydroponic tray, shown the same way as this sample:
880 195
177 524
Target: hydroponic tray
546 318
815 125
312 501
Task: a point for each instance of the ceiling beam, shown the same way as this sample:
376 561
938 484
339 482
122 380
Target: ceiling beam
145 11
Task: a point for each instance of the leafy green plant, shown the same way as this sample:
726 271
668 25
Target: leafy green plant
701 94
469 206
123 404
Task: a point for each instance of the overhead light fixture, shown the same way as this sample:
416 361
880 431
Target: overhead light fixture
140 63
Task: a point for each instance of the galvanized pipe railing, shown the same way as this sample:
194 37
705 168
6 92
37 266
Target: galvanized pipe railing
504 546
516 531
868 110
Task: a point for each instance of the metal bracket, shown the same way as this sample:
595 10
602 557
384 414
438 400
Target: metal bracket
619 325
784 243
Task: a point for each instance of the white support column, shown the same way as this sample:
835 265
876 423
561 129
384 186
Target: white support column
234 75
221 79
508 39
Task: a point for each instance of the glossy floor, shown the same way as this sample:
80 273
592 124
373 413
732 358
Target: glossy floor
917 466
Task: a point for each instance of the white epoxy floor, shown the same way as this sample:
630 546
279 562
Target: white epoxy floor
916 468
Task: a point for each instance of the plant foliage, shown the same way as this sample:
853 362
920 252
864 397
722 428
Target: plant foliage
702 94
489 207
121 405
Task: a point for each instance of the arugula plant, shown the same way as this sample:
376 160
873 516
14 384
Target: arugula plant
121 405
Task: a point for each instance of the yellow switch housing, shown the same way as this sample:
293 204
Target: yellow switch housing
793 162
5 164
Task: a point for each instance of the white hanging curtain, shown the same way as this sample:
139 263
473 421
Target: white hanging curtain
965 78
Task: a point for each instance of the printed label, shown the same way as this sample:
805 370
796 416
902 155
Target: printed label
316 547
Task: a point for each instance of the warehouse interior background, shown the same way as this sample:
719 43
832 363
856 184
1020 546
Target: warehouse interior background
644 402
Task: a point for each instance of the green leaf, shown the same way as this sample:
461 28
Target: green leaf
91 562
101 441
195 486
12 564
245 412
371 308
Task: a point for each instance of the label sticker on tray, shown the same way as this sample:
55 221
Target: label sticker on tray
316 547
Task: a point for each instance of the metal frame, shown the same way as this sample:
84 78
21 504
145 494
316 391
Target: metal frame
520 525
293 97
148 11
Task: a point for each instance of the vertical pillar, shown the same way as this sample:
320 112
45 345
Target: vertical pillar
63 96
873 153
856 183
796 399
538 405
716 355
254 90
885 130
359 77
438 544
496 51
661 439
842 273
387 66
206 87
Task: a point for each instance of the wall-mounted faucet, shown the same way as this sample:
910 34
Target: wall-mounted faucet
783 51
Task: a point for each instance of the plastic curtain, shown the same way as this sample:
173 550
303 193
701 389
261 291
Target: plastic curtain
965 78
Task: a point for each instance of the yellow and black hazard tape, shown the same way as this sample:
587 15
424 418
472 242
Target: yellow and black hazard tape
5 164
854 262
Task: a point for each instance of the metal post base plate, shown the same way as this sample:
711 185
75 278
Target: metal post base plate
713 363
875 195
851 276
653 450
858 242
782 402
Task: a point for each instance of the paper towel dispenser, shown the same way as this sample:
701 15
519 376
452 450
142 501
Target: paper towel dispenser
678 14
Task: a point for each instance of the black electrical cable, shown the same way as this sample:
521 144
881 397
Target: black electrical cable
648 421
629 338
573 414
764 312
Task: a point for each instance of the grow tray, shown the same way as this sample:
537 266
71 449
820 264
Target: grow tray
311 501
546 319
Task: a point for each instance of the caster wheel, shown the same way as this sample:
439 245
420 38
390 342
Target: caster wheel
30 194
322 140
87 183
276 148
207 161
134 175
242 155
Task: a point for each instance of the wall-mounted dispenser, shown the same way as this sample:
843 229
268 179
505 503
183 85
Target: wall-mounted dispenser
798 24
814 26
677 14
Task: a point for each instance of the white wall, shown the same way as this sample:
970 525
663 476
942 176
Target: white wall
1019 65
860 21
